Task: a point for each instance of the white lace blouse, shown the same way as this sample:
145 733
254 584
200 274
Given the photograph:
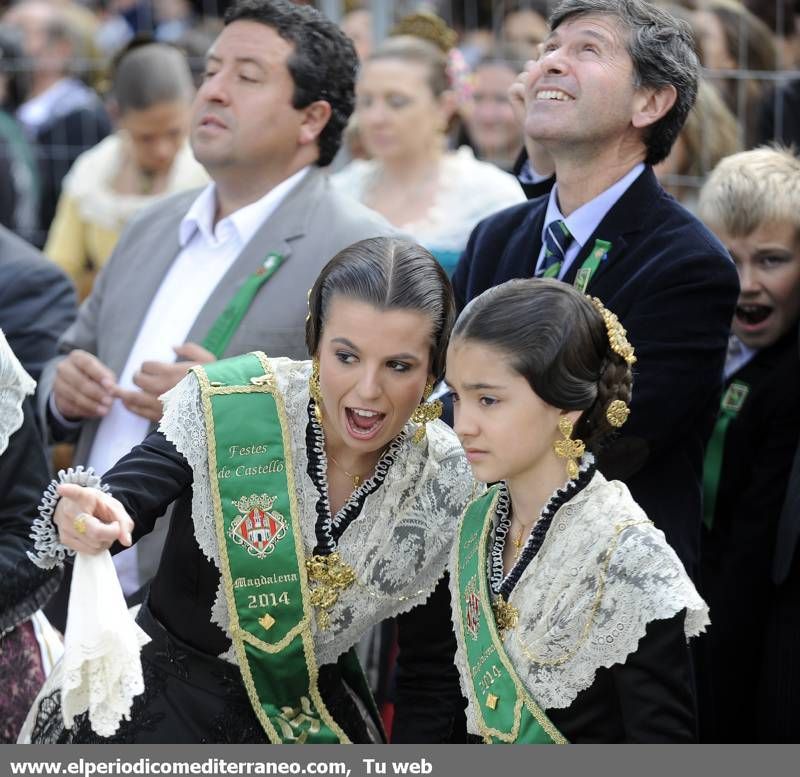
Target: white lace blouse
603 572
399 543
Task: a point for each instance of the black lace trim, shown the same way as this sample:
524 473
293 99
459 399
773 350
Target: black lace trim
329 528
504 587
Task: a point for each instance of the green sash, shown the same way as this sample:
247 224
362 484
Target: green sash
262 561
504 710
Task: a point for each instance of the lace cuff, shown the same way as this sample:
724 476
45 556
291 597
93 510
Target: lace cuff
49 552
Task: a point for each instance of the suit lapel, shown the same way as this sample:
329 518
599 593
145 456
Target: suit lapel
159 252
625 218
276 235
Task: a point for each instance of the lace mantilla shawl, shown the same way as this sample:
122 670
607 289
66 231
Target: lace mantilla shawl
399 544
15 385
604 571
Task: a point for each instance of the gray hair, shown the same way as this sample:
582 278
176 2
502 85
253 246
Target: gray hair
151 74
661 48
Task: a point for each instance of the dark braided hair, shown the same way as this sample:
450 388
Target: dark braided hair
556 339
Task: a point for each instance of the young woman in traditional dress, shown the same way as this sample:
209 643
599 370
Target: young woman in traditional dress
312 500
572 612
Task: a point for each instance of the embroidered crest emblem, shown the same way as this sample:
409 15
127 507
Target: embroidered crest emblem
258 527
473 605
735 396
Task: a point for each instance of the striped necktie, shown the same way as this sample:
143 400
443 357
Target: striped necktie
556 242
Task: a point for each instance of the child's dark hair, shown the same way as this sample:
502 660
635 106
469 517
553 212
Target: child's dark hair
556 339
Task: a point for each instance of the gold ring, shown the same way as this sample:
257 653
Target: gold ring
79 524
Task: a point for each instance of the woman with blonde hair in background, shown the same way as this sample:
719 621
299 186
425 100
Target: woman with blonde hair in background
404 104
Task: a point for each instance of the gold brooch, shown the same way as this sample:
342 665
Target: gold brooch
506 616
617 413
332 576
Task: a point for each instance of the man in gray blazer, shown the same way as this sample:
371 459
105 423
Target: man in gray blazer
226 270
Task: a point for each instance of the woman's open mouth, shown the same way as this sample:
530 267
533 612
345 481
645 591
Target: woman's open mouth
363 424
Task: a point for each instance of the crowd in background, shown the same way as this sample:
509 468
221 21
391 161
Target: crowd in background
94 119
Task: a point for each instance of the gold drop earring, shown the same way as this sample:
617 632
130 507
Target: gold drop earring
425 412
567 448
314 390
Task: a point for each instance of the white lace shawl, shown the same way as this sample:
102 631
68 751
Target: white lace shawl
398 545
604 571
15 385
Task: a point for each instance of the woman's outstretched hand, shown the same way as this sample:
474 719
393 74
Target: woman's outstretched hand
90 521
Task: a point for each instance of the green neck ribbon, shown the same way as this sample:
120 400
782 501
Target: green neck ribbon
732 401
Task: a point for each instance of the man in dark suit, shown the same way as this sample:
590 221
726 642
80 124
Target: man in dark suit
607 99
37 302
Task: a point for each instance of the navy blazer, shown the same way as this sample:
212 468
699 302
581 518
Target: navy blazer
37 302
674 287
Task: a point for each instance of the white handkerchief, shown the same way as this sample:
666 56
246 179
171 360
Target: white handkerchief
101 666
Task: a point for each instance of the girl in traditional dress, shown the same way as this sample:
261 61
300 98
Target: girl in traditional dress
572 612
313 500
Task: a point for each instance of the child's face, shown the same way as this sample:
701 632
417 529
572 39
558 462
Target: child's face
507 431
768 262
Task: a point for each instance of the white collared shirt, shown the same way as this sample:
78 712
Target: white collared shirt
35 112
583 222
738 356
207 252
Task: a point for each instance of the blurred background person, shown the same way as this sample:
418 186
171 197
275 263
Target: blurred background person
709 134
61 114
404 106
752 203
147 158
19 175
732 39
525 24
492 128
357 25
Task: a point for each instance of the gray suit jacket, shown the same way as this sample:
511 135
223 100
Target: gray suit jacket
312 224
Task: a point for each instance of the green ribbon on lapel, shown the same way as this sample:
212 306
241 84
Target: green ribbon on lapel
504 710
589 267
224 328
732 401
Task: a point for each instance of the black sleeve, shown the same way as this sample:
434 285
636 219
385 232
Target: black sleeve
429 707
147 480
649 698
24 588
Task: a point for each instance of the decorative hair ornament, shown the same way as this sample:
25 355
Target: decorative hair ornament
314 390
617 334
567 448
425 412
429 27
617 413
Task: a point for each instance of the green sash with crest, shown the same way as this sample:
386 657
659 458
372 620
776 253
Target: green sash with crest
262 561
504 710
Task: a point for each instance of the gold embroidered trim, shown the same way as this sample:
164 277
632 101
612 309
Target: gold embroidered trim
206 392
